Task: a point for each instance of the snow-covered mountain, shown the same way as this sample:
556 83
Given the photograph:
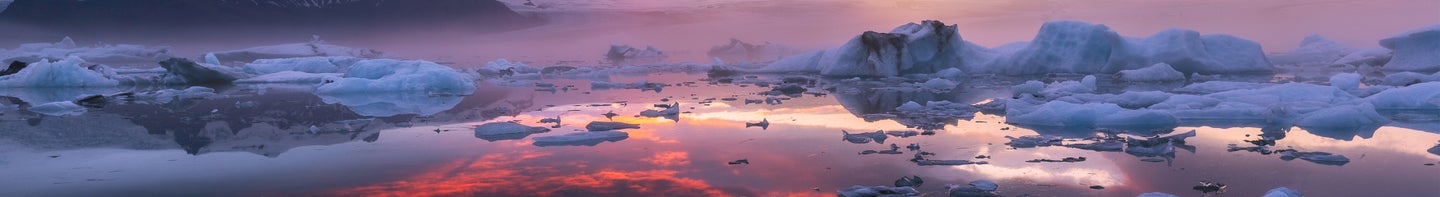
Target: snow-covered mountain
263 12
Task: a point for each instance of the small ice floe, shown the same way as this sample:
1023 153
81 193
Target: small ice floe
861 138
1102 145
671 110
939 85
877 191
1064 160
1160 72
894 150
740 161
1282 192
1314 157
1033 141
978 188
497 131
62 108
903 134
912 181
590 138
1209 188
1156 194
763 124
609 126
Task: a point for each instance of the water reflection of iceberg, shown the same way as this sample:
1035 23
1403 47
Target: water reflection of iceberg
393 103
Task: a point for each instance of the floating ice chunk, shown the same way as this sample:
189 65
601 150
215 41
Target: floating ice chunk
184 71
1209 87
1345 117
1367 57
1156 194
1138 99
914 48
336 64
293 50
912 181
861 138
385 75
496 131
1079 47
629 53
501 128
1346 81
1282 192
1033 141
63 108
1065 114
940 85
392 104
1409 78
1031 87
877 191
1314 50
110 54
608 126
590 138
64 73
1157 72
673 109
1415 50
984 185
931 162
1288 94
1315 157
1419 96
292 77
1066 88
169 95
739 51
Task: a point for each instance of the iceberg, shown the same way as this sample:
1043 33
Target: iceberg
292 77
336 64
1282 192
314 48
609 126
741 51
62 108
1414 97
386 75
1079 47
914 48
114 54
1314 50
1210 87
1367 57
627 53
1346 81
184 71
877 191
496 131
1408 78
393 104
68 72
590 138
1157 72
1415 50
1071 115
1343 118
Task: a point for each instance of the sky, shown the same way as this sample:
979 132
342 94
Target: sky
582 30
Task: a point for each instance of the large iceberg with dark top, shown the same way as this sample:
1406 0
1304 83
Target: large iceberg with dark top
388 75
1415 50
924 47
1059 47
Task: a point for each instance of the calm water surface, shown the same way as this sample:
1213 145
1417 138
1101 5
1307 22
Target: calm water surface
285 141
